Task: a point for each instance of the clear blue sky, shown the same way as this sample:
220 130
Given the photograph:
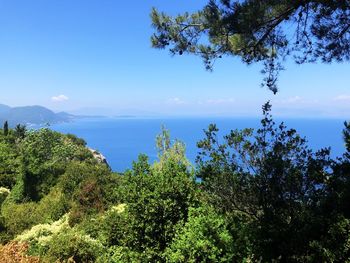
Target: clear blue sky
94 56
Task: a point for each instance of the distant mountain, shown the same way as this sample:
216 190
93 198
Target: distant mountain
4 108
32 115
66 116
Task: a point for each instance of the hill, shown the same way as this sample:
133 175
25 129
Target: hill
4 108
32 115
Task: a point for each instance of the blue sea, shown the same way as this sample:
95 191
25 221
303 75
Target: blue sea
121 140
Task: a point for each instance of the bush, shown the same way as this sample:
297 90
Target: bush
204 238
71 244
89 188
39 236
118 254
112 226
53 205
19 217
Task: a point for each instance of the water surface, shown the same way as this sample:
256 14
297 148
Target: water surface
122 140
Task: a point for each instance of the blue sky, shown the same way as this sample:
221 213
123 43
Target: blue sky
94 56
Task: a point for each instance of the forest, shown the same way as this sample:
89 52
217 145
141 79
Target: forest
252 196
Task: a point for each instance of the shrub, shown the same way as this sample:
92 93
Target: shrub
53 205
4 192
39 236
113 225
19 217
16 252
71 244
204 238
119 254
89 188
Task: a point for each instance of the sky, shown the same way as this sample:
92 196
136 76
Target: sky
95 57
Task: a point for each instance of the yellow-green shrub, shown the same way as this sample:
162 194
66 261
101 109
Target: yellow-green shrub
73 244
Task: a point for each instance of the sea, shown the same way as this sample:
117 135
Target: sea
121 140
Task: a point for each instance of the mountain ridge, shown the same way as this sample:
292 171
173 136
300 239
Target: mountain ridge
32 115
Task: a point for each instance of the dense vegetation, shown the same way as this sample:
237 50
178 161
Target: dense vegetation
253 196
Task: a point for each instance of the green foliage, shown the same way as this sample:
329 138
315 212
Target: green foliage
6 128
250 199
44 157
22 216
20 131
112 226
9 164
167 150
57 241
273 178
4 192
40 236
158 198
46 146
89 188
115 254
204 238
71 244
259 31
89 200
78 173
334 246
19 217
163 142
31 165
53 206
17 192
76 140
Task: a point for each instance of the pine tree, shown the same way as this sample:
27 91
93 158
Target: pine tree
346 135
259 31
6 128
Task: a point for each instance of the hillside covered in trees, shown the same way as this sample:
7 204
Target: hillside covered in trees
252 196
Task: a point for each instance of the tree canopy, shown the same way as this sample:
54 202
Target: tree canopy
259 31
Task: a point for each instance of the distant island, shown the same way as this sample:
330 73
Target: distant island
33 115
